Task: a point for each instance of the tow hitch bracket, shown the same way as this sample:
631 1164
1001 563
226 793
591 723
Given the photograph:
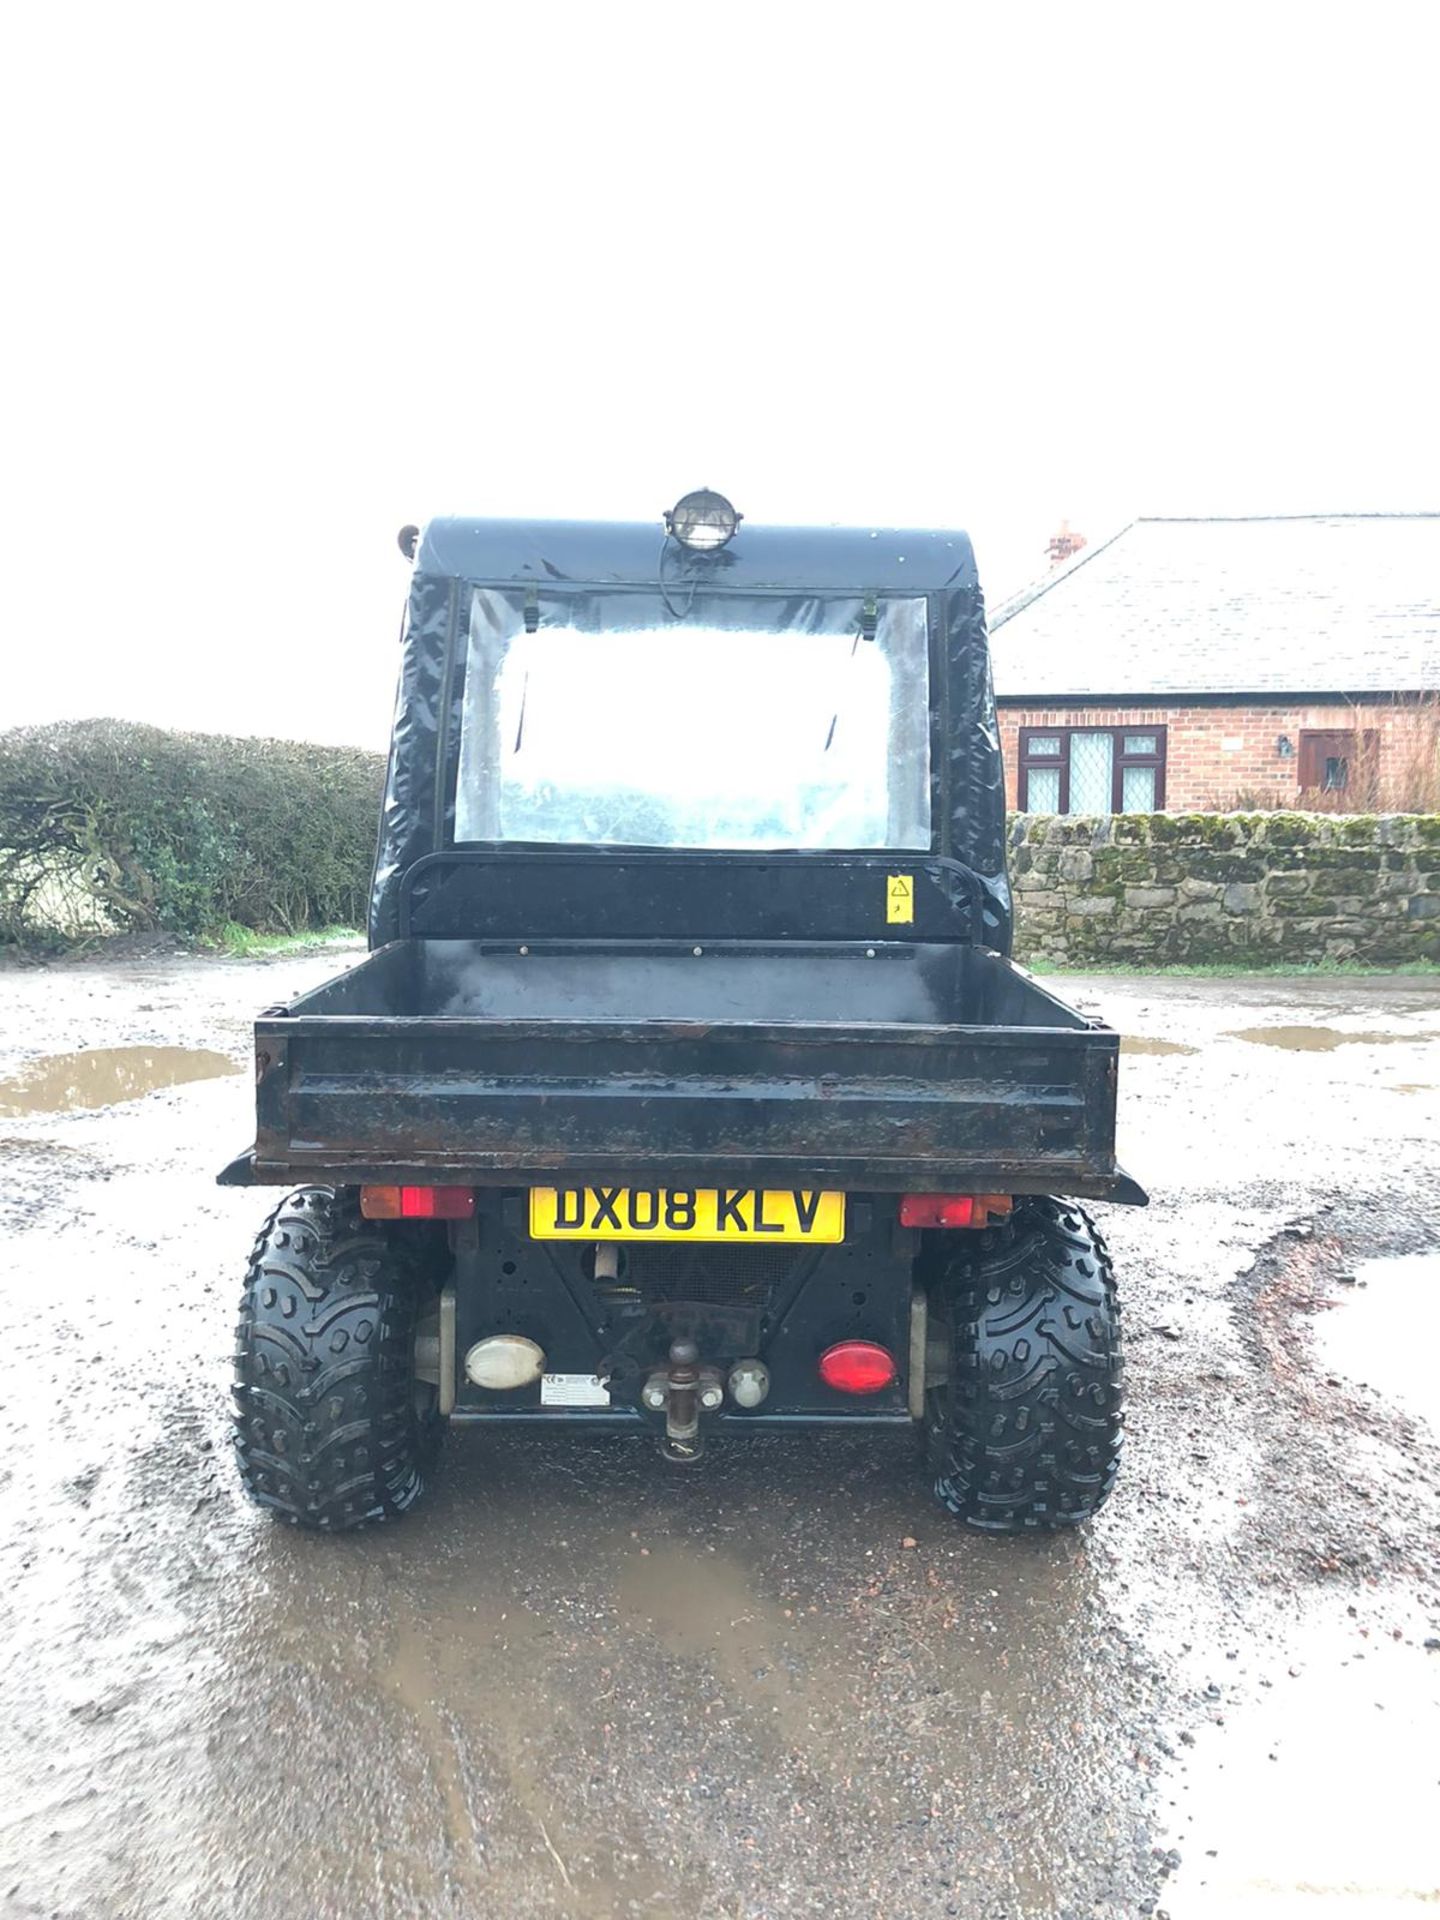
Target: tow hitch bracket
682 1391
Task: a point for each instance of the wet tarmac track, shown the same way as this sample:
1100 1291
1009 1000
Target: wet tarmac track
579 1682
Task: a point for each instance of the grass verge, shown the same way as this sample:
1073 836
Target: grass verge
1319 970
245 943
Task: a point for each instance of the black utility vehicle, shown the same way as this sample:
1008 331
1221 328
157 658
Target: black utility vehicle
688 1086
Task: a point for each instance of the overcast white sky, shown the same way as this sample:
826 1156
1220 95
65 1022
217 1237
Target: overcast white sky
280 277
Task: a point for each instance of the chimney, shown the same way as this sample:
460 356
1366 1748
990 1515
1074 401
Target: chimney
1064 544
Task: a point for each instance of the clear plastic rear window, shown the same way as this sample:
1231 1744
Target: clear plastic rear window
699 720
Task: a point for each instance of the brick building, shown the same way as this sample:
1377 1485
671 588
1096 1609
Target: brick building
1197 664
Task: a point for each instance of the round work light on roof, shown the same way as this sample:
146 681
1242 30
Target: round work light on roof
703 521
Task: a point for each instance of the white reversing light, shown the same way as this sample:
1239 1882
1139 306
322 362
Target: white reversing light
505 1361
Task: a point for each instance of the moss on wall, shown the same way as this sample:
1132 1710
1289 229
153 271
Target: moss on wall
1201 888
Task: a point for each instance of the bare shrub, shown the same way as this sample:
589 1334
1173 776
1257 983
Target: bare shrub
1256 800
1396 768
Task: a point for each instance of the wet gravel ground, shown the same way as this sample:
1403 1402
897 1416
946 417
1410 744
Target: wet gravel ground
577 1682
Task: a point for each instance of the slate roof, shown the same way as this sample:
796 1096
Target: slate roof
1339 603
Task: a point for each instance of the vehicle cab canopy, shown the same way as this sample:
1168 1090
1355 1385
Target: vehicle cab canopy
601 733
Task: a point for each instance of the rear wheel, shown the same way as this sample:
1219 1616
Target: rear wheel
332 1426
1023 1407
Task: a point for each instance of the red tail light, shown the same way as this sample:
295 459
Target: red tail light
952 1209
417 1203
857 1366
937 1209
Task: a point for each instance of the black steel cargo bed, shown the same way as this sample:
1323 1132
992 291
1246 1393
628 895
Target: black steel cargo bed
884 1068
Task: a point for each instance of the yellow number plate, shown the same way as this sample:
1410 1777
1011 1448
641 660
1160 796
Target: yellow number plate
685 1213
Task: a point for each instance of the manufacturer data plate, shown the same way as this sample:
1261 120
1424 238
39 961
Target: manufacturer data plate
573 1390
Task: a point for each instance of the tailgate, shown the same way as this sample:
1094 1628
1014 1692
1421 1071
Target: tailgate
869 1106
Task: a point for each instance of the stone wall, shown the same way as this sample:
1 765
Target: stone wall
1272 888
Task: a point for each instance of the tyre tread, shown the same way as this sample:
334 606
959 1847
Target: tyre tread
325 1427
1028 1433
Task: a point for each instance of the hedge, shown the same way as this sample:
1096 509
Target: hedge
110 827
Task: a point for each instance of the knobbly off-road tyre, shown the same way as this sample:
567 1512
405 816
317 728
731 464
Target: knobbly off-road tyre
331 1429
1024 1434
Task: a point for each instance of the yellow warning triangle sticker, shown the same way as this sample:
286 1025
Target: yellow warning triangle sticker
900 885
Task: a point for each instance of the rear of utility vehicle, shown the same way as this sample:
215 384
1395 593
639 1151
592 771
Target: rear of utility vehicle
688 1086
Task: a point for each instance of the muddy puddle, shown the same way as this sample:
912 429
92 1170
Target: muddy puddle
1384 1334
1141 1043
1322 1039
704 1607
700 1606
104 1077
1319 1798
775 1688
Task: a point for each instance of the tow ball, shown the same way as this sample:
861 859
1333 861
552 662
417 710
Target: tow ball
682 1392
